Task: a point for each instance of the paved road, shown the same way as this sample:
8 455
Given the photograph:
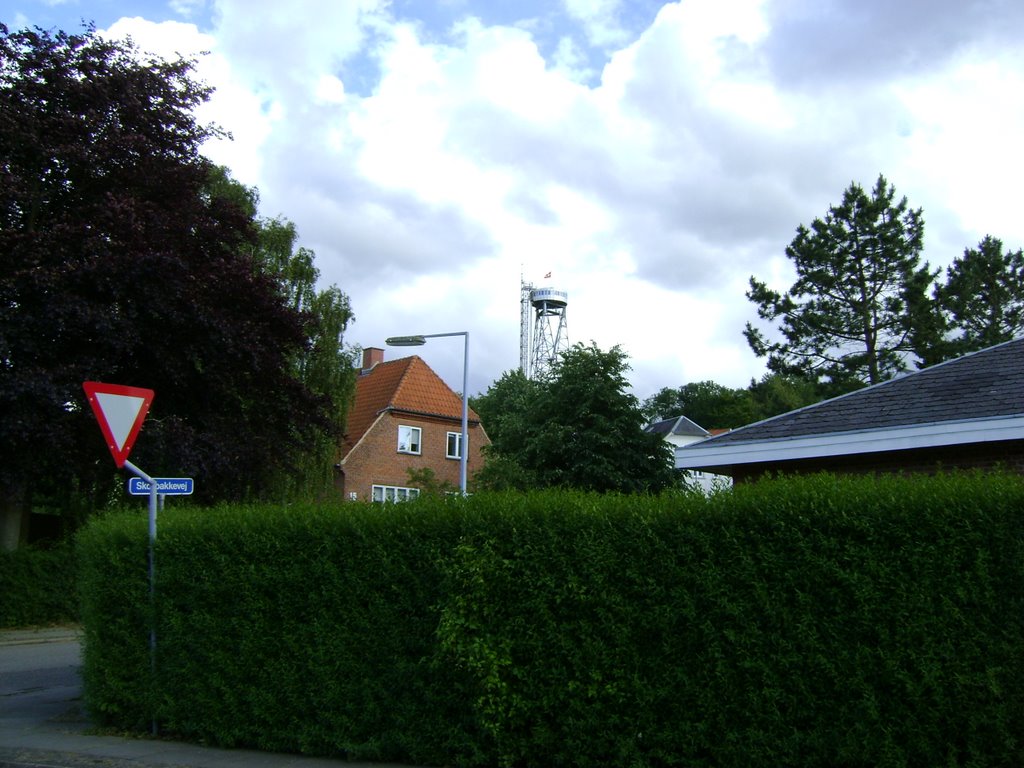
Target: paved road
39 678
43 724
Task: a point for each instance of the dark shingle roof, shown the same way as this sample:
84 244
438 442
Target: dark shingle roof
985 384
677 425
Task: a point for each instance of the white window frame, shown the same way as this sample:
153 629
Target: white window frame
390 494
457 436
413 446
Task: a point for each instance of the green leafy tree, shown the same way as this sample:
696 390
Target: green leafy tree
779 393
503 472
325 364
983 296
124 260
705 403
505 408
664 404
579 428
859 303
713 405
426 480
589 430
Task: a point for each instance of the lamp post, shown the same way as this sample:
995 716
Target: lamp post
418 341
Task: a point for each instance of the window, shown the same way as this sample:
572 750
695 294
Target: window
386 493
454 445
408 439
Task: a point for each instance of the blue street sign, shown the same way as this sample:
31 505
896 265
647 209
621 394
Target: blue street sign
168 486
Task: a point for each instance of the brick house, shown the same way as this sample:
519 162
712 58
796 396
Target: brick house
403 417
961 414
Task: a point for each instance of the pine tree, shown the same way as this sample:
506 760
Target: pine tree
857 313
984 296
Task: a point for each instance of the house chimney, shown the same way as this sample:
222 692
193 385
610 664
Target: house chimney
372 356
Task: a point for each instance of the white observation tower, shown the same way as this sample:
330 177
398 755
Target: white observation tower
543 334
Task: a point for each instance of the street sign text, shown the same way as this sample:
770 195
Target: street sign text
168 486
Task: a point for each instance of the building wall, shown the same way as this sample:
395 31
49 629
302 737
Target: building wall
706 480
376 460
1007 455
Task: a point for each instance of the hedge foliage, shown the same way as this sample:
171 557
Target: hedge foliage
37 587
815 622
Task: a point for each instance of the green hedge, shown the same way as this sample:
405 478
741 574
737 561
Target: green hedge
305 629
37 587
817 621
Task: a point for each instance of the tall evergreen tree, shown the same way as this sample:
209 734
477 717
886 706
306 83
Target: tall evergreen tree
853 315
984 296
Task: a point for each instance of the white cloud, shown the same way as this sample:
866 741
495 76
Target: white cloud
285 47
960 124
430 167
571 61
234 107
187 8
599 19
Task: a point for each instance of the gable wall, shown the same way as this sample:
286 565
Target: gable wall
1008 455
376 460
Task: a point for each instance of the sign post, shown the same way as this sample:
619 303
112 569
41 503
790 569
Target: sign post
120 411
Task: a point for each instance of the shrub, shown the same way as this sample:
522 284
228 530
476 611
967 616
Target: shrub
813 621
37 586
307 629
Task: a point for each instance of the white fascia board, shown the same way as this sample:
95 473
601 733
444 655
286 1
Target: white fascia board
932 435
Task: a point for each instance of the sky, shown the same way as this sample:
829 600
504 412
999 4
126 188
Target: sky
652 157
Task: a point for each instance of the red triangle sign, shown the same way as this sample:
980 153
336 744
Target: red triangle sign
120 410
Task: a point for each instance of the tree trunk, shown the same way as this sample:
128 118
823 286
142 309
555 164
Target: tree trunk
14 516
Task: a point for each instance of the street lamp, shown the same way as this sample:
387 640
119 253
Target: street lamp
418 341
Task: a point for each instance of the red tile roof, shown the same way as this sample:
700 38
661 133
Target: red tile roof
407 384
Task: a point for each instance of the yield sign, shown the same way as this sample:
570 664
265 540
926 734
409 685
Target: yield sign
120 410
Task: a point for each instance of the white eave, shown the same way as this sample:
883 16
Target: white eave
706 454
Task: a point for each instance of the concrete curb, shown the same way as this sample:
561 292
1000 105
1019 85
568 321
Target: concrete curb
40 635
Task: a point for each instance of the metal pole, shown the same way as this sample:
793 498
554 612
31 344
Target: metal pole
464 448
417 340
464 452
153 501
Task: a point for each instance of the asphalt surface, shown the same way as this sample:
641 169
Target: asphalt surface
43 723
